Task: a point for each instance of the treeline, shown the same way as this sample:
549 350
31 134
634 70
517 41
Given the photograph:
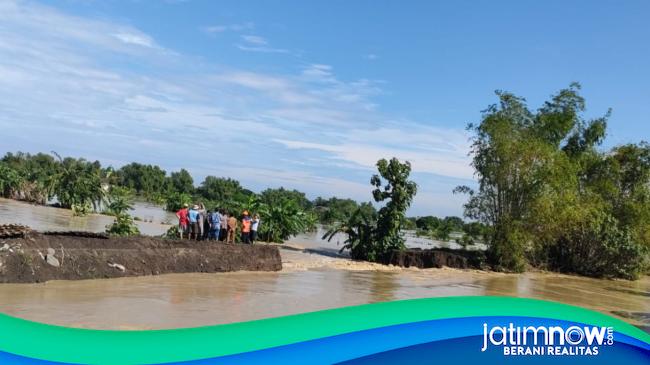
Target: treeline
551 197
76 183
468 233
86 186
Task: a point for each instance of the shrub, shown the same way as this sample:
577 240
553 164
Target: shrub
123 226
598 247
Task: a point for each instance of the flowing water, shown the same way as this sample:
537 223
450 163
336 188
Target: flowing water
313 278
153 221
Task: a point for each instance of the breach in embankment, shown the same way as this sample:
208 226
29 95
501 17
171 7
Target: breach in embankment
38 257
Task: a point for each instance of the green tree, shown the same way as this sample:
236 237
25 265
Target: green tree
359 229
428 223
146 180
175 201
544 186
224 192
181 182
120 200
375 238
10 181
391 185
455 223
35 174
282 220
78 185
337 210
271 196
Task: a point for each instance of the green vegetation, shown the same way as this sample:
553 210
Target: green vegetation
552 199
145 180
375 237
441 229
123 226
28 177
120 201
85 187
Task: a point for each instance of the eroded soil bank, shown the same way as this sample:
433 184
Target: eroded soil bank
39 258
437 258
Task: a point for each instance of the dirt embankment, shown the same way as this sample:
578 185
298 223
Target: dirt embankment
39 257
438 257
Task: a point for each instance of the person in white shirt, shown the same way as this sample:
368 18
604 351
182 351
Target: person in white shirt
254 226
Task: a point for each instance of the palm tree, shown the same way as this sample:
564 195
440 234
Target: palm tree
78 185
282 220
119 199
360 234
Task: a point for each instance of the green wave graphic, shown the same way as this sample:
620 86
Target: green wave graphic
55 343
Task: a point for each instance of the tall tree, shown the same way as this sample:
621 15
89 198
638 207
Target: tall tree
181 182
374 238
393 187
545 189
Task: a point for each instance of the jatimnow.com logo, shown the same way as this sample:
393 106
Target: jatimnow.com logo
547 340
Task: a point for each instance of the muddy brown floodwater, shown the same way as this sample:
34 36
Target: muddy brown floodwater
152 220
308 282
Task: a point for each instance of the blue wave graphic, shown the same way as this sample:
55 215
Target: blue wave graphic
446 341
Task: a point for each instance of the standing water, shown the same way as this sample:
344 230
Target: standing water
151 219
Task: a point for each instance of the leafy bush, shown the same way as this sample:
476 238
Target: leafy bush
598 247
172 232
466 240
120 200
175 201
123 226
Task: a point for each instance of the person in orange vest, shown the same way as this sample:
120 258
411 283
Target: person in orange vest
246 228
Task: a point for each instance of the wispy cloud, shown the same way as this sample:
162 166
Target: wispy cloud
430 150
136 39
256 40
221 28
255 43
262 49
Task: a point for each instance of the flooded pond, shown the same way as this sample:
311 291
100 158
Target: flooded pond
313 278
153 220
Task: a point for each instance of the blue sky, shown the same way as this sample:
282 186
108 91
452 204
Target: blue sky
307 94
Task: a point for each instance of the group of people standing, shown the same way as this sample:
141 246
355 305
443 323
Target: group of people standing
197 223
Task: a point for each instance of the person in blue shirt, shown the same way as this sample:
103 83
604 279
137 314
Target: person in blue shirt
193 215
215 224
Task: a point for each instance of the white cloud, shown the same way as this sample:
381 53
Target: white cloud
256 40
262 49
136 39
319 72
278 88
254 43
429 150
221 28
